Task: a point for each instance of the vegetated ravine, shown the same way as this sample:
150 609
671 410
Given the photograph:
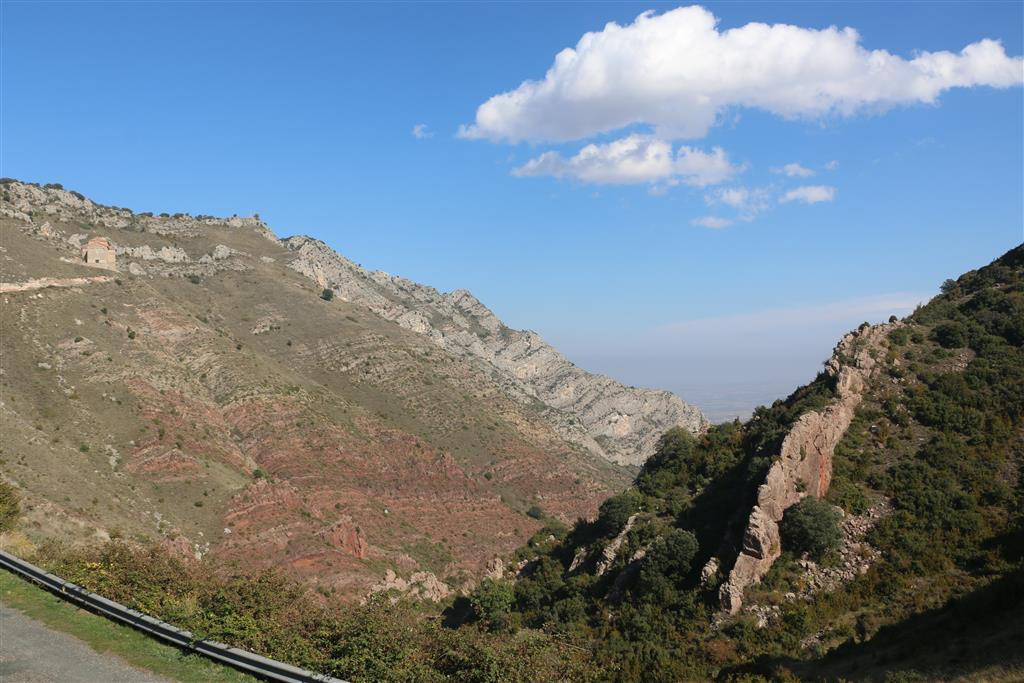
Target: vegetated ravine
868 527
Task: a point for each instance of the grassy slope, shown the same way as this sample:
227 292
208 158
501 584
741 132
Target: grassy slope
106 637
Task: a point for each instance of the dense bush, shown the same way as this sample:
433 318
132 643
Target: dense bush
491 602
952 335
899 336
667 562
615 512
327 294
811 526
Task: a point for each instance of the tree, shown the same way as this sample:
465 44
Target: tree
668 561
492 601
327 294
811 526
951 335
614 512
949 286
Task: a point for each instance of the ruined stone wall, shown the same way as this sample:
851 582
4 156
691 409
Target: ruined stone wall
804 465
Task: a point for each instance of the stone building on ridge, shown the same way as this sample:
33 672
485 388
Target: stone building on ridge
99 253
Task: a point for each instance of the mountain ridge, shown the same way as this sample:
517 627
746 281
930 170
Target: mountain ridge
618 423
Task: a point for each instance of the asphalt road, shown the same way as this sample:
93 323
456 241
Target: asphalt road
31 652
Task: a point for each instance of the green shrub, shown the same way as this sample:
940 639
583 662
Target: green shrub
327 294
811 526
666 564
615 512
899 336
536 512
951 335
492 601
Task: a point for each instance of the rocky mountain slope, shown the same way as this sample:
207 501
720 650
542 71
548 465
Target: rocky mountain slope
620 423
205 395
869 527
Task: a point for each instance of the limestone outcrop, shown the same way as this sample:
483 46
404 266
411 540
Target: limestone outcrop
621 424
147 253
804 465
419 586
46 282
32 203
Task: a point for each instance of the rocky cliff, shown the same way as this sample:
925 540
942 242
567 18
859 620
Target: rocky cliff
804 465
619 423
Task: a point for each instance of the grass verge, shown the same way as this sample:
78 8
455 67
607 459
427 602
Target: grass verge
107 637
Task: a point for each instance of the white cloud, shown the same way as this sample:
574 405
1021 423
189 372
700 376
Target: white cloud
794 170
809 194
748 202
832 165
635 159
420 131
713 222
733 196
677 72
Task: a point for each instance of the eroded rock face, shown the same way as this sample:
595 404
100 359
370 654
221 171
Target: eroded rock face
621 424
23 200
804 466
495 569
419 586
45 282
147 253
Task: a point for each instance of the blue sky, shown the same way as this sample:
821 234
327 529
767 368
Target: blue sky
305 113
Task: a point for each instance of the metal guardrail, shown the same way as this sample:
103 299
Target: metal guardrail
232 656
